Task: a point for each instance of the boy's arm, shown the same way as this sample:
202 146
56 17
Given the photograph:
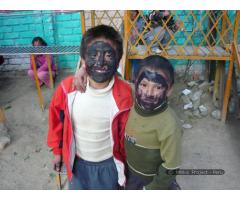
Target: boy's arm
170 150
56 119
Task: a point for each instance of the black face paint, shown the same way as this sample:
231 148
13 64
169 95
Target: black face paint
151 89
101 61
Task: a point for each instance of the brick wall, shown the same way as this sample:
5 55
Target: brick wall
20 27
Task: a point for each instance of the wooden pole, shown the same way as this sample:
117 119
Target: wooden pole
125 66
92 18
83 22
227 88
50 71
41 101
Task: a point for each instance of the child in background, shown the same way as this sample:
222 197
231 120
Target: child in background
41 64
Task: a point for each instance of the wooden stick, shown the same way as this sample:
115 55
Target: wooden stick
41 101
58 180
228 88
50 71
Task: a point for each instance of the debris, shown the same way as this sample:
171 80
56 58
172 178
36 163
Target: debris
185 99
210 89
187 106
216 114
196 104
196 113
191 83
204 86
187 126
196 95
203 110
186 91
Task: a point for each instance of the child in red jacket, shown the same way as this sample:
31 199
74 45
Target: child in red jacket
86 130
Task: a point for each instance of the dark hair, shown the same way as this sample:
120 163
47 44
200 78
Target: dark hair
102 31
42 42
156 62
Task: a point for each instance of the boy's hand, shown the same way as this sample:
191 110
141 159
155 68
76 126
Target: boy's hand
57 163
80 78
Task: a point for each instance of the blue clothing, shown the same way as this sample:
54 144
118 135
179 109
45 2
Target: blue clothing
94 175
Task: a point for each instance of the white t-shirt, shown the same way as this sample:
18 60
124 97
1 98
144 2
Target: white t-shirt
91 122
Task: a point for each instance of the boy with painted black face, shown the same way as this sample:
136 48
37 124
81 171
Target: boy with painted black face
86 130
153 133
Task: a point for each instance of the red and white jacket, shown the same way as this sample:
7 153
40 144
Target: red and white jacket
60 134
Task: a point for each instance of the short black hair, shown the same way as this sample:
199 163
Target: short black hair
156 62
106 32
42 41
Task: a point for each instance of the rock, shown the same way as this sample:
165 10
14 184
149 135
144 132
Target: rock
187 126
4 141
196 104
203 110
191 83
196 113
187 106
185 99
204 86
210 89
196 95
186 91
216 114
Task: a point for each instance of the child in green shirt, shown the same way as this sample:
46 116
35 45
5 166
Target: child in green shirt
153 133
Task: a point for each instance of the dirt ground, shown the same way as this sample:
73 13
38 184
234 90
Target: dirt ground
26 162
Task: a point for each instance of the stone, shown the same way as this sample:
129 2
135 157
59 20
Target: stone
204 86
210 89
185 99
187 106
216 114
196 104
186 91
191 83
196 95
196 113
187 126
203 110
